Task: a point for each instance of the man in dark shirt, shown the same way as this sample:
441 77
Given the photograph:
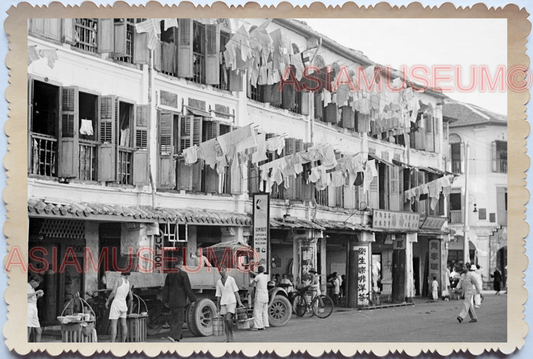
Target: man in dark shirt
175 293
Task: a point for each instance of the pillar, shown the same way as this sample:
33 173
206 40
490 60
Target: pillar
323 269
92 245
351 274
409 270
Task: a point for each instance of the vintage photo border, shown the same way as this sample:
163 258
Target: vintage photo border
15 194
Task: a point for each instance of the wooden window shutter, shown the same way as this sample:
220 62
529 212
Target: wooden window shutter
253 178
107 128
52 29
423 204
68 31
288 97
36 26
373 193
348 117
141 52
318 106
235 81
141 175
394 196
331 113
275 95
211 175
120 30
105 35
304 107
185 42
196 169
185 141
494 157
69 133
429 133
212 57
166 178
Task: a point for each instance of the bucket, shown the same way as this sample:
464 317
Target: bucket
241 314
218 326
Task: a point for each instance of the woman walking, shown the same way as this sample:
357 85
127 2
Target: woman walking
119 307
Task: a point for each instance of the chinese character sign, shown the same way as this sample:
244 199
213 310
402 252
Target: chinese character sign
434 260
261 214
363 274
404 221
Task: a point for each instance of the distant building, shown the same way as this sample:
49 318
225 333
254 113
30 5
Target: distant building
485 134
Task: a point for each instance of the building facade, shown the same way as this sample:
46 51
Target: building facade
478 202
153 135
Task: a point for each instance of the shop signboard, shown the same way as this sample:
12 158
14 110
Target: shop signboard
434 259
261 227
433 223
391 220
363 274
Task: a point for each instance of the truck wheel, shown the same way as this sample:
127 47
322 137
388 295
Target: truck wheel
155 321
200 318
280 311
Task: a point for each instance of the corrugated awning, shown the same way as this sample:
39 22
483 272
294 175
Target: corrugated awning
198 112
107 212
341 226
294 223
379 159
403 164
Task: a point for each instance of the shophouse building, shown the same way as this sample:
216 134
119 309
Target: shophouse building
478 201
155 134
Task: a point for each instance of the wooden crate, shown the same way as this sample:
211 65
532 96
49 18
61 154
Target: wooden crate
76 333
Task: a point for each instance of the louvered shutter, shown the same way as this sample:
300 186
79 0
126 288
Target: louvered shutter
275 95
494 157
211 175
185 43
141 175
49 28
69 130
105 35
331 113
68 31
423 205
196 168
141 52
212 56
166 170
304 106
120 48
185 141
318 106
429 133
107 128
394 188
36 26
288 97
348 118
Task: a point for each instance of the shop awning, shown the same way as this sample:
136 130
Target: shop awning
198 112
294 222
379 159
341 226
111 212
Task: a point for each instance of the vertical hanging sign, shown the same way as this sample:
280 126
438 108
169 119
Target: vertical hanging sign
261 228
363 275
434 260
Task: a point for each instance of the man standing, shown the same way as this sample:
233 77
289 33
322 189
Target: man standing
33 314
227 294
175 293
261 300
470 288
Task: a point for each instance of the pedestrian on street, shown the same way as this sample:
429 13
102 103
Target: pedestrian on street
227 294
435 288
260 300
497 281
337 281
176 291
33 314
478 298
119 307
470 287
315 283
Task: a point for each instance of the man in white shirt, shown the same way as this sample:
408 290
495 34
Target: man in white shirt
33 314
227 294
261 300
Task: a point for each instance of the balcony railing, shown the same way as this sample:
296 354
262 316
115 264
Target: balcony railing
456 166
322 197
43 155
87 157
199 68
456 216
125 164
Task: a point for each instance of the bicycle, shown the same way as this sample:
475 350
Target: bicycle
321 305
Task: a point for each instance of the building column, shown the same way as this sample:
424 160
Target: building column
409 271
323 269
92 245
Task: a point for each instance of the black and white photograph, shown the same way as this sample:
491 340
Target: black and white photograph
268 180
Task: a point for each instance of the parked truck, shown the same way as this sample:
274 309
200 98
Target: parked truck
237 257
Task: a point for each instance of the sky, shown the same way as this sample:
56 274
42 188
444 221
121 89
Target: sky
429 42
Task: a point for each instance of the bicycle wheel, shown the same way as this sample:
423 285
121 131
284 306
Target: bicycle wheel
322 306
300 305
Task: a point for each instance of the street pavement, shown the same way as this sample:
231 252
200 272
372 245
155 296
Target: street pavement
425 321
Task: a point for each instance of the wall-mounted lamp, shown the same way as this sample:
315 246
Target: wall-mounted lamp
475 208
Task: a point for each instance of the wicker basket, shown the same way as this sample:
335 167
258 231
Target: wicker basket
78 327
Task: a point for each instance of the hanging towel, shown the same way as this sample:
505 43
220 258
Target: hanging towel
191 155
86 127
260 153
